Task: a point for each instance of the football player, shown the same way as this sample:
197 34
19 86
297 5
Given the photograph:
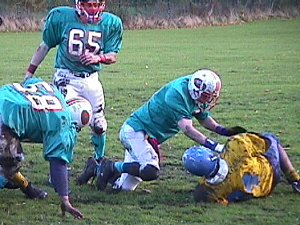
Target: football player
168 111
87 37
250 167
37 112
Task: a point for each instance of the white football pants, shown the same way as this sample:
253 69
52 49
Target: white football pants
139 150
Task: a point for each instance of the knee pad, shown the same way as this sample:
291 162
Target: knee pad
149 172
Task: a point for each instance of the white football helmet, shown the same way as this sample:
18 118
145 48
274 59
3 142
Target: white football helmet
81 110
90 11
204 87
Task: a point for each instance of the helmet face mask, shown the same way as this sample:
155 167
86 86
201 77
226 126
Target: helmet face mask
90 11
81 111
204 87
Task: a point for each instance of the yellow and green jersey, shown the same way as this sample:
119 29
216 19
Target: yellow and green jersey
253 161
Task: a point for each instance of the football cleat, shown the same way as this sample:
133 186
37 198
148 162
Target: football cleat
105 171
33 192
89 171
296 186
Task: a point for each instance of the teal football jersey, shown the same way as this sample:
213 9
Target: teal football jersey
37 112
159 116
64 28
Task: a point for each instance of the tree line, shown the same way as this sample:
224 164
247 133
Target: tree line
38 5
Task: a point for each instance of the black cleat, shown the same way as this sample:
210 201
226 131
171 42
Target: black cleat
105 171
296 186
89 171
33 192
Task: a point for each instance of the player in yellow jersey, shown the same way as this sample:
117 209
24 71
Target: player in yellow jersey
249 167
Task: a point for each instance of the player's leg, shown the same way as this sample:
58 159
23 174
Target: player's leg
95 95
126 182
93 92
141 160
288 169
277 152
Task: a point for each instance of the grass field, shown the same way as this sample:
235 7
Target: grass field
260 67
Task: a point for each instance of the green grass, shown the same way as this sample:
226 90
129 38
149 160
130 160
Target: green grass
260 67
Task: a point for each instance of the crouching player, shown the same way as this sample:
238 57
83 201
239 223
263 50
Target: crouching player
250 167
37 112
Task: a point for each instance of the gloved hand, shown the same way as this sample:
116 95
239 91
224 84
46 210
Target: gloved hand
214 146
230 131
236 130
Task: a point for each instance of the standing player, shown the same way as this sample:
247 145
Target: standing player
250 167
168 111
86 38
37 112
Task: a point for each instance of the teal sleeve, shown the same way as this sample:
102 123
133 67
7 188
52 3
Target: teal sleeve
52 29
113 43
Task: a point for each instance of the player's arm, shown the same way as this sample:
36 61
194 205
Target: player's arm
186 126
37 59
59 178
212 125
91 58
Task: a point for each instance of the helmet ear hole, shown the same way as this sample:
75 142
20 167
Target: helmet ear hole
81 111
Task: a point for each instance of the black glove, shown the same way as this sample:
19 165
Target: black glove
236 130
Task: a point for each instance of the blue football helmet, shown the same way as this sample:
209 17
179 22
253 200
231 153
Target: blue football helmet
201 161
